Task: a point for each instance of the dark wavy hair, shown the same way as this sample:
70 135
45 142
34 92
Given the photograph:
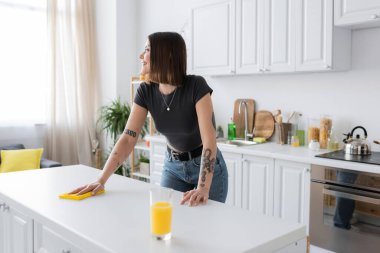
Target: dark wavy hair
167 58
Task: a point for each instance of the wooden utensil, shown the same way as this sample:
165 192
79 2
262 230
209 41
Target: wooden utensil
264 124
239 118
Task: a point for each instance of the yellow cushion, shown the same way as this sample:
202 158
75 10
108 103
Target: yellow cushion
21 159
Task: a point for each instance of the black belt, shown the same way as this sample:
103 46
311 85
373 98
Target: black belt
185 156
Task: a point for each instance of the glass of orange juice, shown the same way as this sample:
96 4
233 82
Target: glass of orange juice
161 209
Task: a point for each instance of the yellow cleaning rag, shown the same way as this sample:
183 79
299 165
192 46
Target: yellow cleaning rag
79 197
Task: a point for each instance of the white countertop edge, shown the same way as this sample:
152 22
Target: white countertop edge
281 242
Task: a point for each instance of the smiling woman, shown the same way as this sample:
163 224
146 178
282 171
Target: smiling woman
23 61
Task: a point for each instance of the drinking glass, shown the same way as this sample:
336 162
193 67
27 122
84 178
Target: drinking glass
161 209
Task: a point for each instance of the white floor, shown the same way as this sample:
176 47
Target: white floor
315 249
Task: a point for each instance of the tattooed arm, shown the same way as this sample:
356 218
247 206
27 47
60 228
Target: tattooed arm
206 123
121 150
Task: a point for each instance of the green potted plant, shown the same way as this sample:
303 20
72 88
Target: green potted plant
144 164
112 119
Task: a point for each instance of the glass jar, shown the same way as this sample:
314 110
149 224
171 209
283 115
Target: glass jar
324 130
313 130
333 141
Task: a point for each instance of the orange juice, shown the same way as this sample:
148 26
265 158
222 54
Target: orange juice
161 218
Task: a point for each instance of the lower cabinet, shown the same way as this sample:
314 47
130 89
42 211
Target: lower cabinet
258 173
292 191
16 230
46 240
269 186
250 182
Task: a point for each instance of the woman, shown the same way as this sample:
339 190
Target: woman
182 110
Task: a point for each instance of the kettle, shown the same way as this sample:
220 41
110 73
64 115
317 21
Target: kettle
357 145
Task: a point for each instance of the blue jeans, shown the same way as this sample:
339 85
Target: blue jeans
183 176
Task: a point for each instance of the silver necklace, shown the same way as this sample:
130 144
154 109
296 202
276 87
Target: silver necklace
168 105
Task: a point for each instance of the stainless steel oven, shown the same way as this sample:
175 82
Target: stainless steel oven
345 210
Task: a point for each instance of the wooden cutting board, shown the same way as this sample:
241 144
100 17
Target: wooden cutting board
239 118
264 124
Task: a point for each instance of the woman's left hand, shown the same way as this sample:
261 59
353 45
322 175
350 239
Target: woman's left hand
195 197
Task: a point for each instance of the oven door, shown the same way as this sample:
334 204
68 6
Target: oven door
344 219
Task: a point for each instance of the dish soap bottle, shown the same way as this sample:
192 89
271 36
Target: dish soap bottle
231 130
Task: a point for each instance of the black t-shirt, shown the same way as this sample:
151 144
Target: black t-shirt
180 124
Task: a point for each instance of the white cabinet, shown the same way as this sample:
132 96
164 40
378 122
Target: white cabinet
250 182
234 167
279 36
292 191
213 38
16 230
258 175
360 14
46 240
272 36
320 46
249 37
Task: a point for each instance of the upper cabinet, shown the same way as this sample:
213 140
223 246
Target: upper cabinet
272 36
279 39
213 38
357 14
318 45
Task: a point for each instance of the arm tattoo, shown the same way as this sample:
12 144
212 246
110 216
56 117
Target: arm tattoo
130 132
207 166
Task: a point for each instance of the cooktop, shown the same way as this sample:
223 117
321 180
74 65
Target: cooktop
373 158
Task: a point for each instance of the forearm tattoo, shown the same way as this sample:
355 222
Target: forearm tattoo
207 165
130 132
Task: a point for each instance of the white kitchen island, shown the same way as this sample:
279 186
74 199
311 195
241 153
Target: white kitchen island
118 221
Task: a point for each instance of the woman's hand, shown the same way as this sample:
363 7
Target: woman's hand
93 188
195 197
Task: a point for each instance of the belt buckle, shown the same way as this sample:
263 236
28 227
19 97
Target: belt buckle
175 155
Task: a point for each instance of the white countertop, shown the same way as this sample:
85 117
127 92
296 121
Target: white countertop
296 154
118 221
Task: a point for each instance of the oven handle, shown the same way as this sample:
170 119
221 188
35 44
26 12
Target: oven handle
351 196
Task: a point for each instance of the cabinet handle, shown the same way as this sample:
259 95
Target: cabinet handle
261 70
266 70
328 67
374 16
232 71
65 251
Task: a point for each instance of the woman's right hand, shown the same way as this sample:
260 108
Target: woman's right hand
92 187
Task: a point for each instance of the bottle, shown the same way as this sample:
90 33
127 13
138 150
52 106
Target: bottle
231 130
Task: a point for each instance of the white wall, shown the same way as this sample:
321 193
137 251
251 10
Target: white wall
116 48
350 97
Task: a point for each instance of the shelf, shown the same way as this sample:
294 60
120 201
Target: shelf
138 174
141 146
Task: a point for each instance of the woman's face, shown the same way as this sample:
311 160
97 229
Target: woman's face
145 59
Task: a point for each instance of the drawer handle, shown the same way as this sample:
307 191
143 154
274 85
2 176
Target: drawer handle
65 251
351 196
374 16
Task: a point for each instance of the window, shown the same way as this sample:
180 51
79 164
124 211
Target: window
23 61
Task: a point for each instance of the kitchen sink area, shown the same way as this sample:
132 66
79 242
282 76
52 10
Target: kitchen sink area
236 143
